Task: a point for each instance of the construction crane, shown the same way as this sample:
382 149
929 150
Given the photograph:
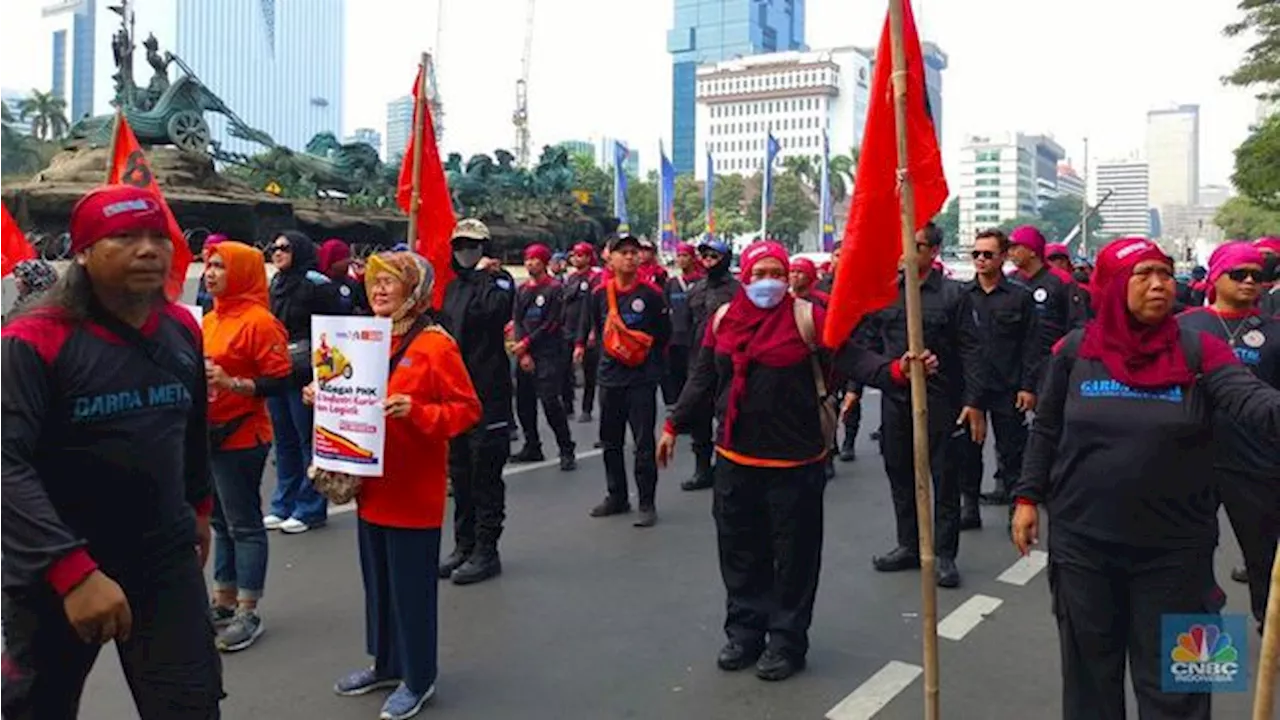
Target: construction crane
520 118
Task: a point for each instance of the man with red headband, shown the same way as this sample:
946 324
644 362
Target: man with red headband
804 282
579 283
1058 257
540 350
1246 468
677 295
651 270
102 541
1052 295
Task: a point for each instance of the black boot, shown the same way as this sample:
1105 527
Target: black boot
995 497
568 461
528 454
970 517
946 573
829 468
454 560
847 453
482 565
702 478
898 559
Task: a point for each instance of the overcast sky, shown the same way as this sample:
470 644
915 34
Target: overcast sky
600 67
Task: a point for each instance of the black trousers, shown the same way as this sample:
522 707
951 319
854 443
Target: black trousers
590 367
899 465
1253 506
676 373
543 386
1108 599
479 492
769 532
636 406
852 421
169 660
401 597
1008 425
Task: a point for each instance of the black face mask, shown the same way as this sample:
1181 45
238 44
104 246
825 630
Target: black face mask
1081 276
1270 267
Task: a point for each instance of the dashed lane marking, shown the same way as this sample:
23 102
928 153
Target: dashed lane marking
967 617
878 691
507 472
1027 567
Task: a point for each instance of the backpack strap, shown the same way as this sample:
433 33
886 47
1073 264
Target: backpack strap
1192 350
805 323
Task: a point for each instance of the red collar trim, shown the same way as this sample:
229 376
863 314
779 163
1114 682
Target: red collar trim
1233 314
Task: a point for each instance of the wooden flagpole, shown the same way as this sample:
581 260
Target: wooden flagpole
919 393
111 148
1264 694
419 122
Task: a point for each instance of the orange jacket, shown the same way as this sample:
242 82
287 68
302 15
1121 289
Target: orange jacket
411 491
246 340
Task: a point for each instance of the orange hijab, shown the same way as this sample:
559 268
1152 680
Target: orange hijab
246 278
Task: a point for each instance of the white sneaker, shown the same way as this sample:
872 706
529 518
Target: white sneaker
293 526
272 522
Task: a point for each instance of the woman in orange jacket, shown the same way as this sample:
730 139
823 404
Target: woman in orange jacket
246 359
430 400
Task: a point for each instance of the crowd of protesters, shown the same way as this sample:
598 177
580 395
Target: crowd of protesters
1129 405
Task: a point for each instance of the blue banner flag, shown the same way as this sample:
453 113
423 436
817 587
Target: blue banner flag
766 197
708 192
666 202
620 154
828 223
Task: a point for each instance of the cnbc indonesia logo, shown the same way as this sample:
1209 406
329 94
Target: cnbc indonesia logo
1204 655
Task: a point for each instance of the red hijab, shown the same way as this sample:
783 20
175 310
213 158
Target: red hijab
1136 354
749 334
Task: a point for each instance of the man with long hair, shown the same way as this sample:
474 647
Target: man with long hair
103 542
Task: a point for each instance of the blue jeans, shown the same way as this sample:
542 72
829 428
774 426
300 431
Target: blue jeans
239 540
294 496
401 594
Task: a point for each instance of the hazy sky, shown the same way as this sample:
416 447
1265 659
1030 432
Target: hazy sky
600 67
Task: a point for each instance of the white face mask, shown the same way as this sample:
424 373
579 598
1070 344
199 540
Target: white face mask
766 293
468 257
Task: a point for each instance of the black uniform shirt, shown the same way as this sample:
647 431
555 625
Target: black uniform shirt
642 308
477 307
705 297
677 292
576 295
1009 331
538 317
1054 304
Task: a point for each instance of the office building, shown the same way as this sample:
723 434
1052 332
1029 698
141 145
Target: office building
1069 181
1214 196
935 61
604 156
578 147
711 31
1173 156
399 128
368 136
1128 210
795 95
1005 176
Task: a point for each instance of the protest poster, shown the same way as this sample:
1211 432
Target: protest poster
349 356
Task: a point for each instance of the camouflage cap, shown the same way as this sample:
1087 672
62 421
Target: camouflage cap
470 228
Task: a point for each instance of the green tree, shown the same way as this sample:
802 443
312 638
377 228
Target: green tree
792 212
842 171
48 115
1061 214
1240 217
642 205
1257 173
691 219
1261 63
728 200
949 223
591 179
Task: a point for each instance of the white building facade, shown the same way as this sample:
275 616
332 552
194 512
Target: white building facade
1070 182
794 95
1128 210
1004 176
1173 156
368 136
399 127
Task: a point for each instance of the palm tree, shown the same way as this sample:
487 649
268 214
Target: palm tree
47 113
803 168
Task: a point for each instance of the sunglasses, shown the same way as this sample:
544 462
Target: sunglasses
984 254
1242 274
709 254
281 247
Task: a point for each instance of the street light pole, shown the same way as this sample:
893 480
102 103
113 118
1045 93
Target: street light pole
1084 204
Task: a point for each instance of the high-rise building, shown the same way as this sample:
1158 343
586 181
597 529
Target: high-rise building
1005 176
578 147
81 52
1069 181
1128 210
795 95
368 136
709 31
604 156
399 127
1173 155
935 61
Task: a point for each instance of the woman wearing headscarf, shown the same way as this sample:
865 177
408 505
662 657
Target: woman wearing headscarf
203 297
430 399
298 291
246 360
1122 454
31 278
334 260
760 366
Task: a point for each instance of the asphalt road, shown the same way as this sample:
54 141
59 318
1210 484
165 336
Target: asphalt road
596 619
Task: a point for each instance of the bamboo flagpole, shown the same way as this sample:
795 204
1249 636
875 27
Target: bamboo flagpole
419 122
1264 694
919 395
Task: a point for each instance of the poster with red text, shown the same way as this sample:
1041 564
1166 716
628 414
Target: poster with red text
350 356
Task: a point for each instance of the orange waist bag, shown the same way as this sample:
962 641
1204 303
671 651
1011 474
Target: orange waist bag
627 346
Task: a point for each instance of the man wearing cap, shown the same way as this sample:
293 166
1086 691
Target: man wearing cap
556 268
581 280
1058 256
477 307
102 541
1052 296
677 294
717 287
541 353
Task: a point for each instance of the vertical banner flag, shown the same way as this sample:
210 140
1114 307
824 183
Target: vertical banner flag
349 357
620 154
129 166
766 196
667 203
867 274
16 248
709 193
828 224
435 205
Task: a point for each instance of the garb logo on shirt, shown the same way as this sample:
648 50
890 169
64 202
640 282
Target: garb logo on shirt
95 408
1098 389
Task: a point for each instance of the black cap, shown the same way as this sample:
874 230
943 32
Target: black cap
618 241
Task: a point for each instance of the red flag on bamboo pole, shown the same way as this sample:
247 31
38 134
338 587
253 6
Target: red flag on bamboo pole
867 273
423 192
16 248
129 166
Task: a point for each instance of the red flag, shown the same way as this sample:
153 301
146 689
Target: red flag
435 205
129 166
867 276
16 248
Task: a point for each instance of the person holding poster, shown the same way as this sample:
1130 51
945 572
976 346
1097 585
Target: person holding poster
430 400
246 359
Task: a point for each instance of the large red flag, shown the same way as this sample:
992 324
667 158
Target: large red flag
16 248
435 206
866 278
129 166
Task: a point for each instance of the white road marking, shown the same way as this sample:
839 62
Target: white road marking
878 691
966 617
1027 567
510 470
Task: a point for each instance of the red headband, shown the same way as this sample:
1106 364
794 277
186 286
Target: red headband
113 211
538 251
759 251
